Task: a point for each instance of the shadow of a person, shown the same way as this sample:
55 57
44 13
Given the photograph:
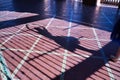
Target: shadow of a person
91 68
67 42
81 70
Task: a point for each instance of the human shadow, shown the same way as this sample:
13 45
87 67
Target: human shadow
67 42
91 66
81 70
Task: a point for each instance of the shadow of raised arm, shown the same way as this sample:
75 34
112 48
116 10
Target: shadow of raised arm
43 31
67 42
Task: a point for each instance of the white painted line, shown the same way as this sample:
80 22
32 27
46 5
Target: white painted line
26 56
36 51
55 53
66 51
64 61
95 39
24 34
14 33
50 21
4 78
4 63
103 54
35 35
69 30
6 75
12 49
11 36
63 65
6 33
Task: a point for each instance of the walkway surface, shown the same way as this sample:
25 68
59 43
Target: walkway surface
56 40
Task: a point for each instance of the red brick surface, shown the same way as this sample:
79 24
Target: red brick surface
53 40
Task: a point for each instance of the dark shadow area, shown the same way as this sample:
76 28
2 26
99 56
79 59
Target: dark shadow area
80 71
90 3
19 21
87 67
96 17
70 43
32 6
67 42
91 14
83 70
60 10
86 15
29 6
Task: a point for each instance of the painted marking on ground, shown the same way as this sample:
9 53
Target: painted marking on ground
56 53
11 37
35 35
5 72
26 56
103 54
14 33
3 62
66 51
3 67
